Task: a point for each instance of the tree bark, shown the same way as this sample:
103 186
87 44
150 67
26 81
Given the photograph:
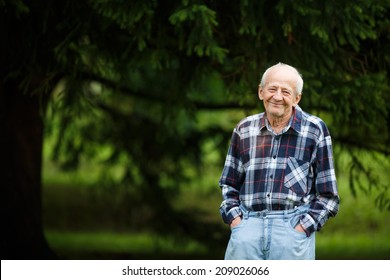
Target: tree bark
21 125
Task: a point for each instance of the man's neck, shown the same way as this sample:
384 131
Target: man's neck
278 124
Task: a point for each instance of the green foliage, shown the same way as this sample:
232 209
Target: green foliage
138 73
333 23
195 25
133 17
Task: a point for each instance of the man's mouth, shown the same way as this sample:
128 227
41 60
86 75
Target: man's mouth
276 104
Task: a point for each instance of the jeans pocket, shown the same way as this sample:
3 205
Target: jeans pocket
292 223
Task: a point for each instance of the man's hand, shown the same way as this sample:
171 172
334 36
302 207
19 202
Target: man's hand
298 227
235 222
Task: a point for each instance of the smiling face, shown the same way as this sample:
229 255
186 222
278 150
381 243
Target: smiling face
279 93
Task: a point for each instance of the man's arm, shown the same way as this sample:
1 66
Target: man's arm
327 200
231 180
229 208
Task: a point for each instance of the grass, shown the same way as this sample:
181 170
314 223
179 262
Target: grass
114 245
74 231
111 245
352 246
83 221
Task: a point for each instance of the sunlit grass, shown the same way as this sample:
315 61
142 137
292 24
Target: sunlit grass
81 245
359 231
353 246
90 245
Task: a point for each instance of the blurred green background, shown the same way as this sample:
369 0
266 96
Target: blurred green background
87 218
116 118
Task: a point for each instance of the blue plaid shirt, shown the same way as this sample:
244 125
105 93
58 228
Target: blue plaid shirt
279 172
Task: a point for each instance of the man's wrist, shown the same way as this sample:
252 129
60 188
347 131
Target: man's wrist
235 221
232 214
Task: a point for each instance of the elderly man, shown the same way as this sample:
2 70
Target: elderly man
278 182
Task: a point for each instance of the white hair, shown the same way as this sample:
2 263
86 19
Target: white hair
299 84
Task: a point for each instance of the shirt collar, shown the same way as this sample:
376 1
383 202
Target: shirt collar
294 123
296 119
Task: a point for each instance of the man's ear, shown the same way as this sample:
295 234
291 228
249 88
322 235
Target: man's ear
260 93
297 99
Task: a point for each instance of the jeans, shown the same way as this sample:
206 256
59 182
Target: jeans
270 235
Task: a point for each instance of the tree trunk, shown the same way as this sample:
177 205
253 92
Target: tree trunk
21 125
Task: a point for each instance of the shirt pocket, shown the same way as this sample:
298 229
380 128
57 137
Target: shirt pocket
297 175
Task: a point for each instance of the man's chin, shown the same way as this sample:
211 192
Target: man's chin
276 113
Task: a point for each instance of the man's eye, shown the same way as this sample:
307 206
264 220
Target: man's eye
286 92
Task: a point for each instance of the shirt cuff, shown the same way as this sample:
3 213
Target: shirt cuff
308 224
231 215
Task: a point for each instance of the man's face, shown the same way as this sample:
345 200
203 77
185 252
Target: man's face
279 93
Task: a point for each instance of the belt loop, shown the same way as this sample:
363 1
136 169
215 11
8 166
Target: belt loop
305 209
285 215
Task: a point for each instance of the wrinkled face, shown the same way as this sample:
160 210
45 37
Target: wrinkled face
279 93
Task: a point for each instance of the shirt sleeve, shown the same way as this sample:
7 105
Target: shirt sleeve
326 202
231 180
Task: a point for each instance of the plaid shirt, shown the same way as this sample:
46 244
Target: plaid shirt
264 171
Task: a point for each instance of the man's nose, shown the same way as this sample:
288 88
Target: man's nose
278 95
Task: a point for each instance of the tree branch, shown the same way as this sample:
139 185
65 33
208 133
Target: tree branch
160 99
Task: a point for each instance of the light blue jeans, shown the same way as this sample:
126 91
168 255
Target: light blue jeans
270 235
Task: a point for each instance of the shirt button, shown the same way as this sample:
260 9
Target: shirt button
277 137
268 195
271 176
274 157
